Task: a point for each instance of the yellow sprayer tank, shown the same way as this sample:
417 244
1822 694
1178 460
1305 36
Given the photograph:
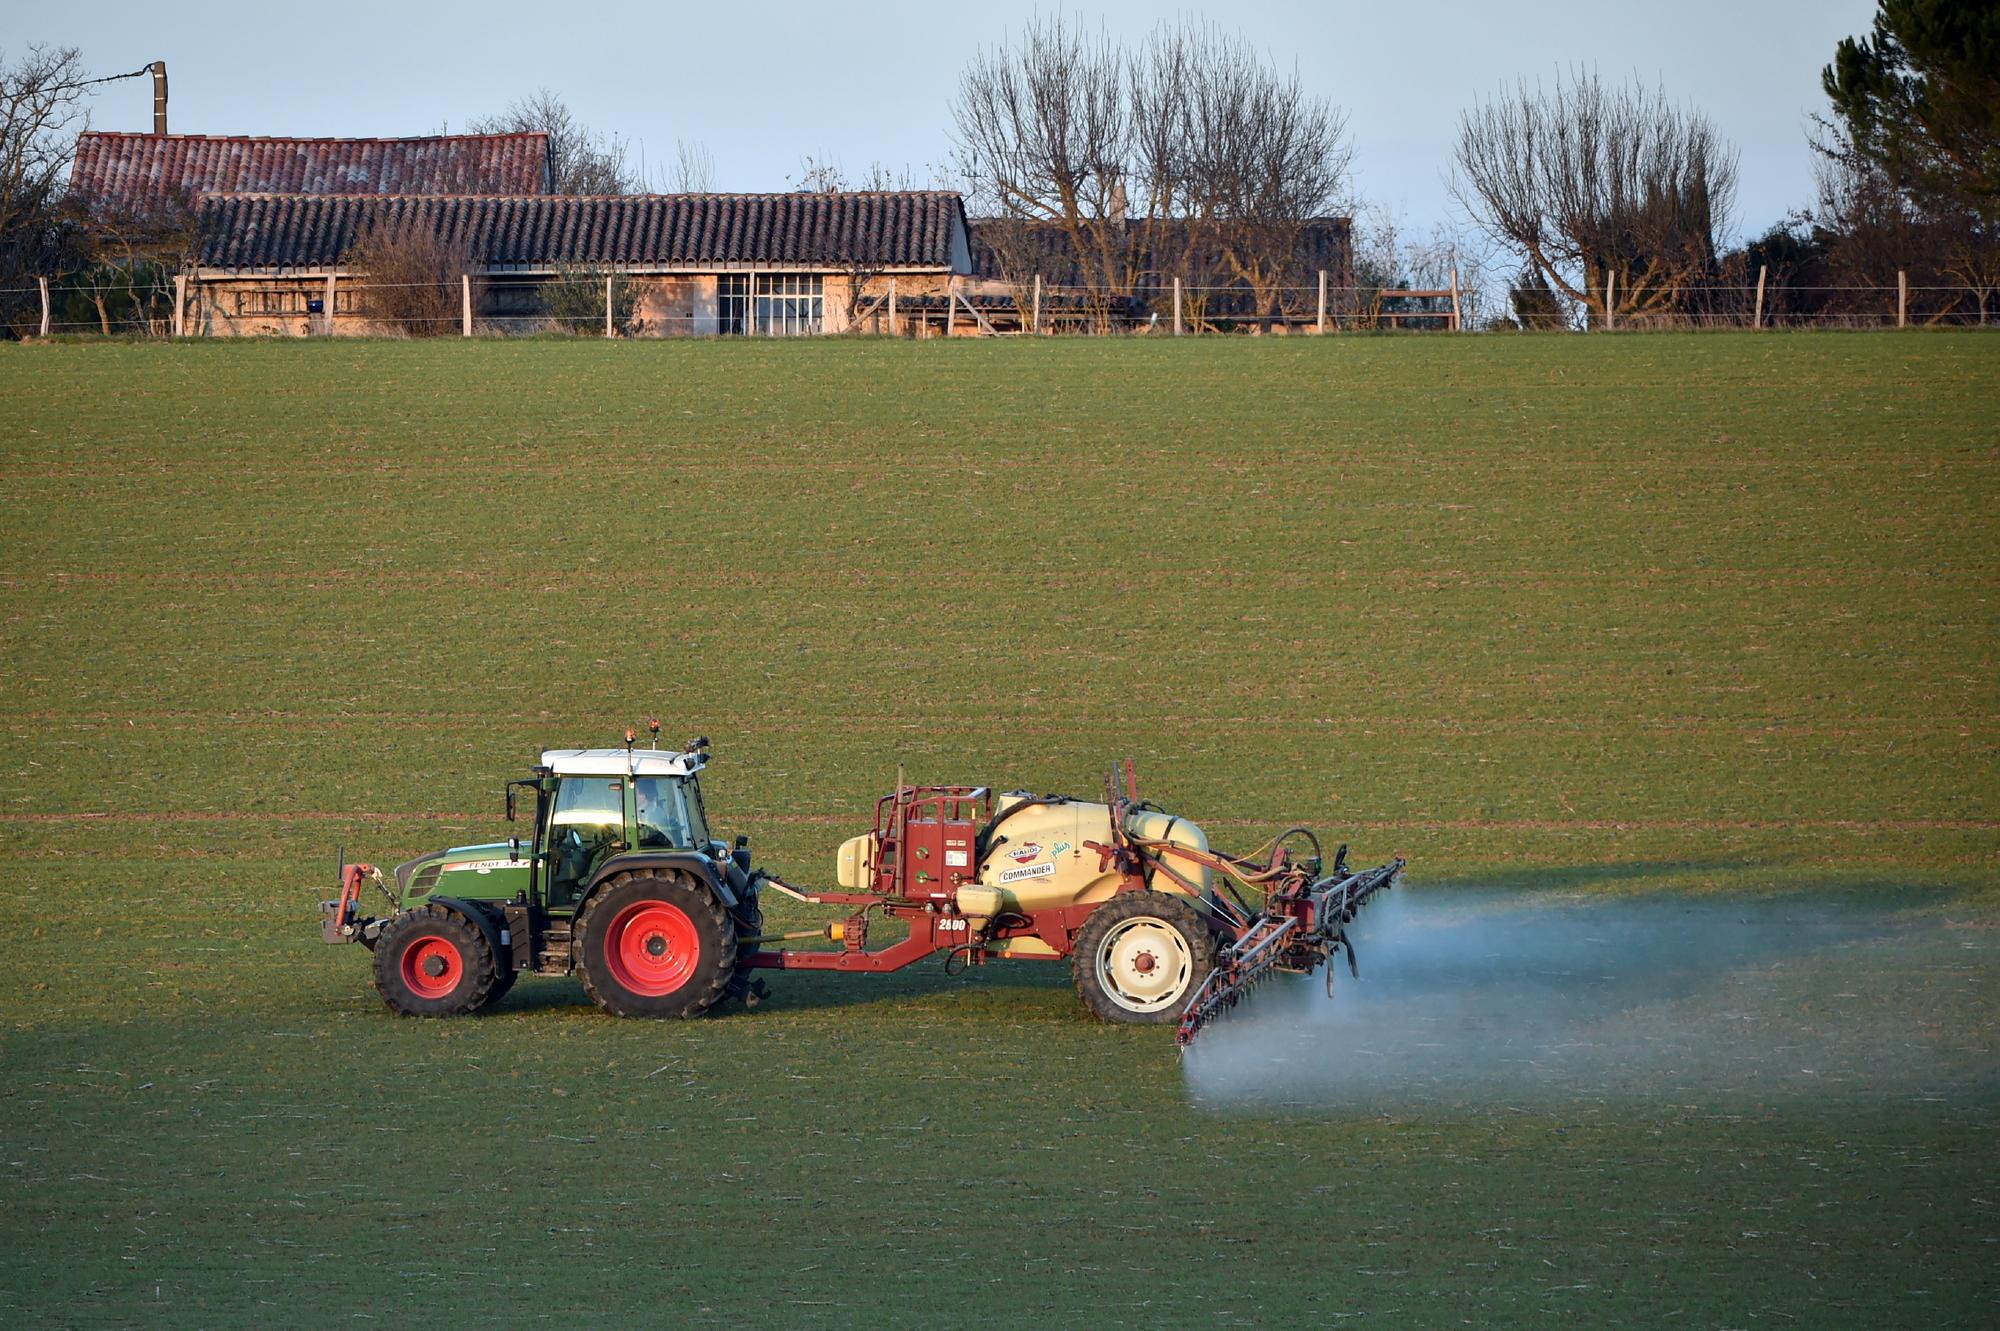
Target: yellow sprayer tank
1037 859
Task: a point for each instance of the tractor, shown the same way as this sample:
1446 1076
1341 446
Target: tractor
622 882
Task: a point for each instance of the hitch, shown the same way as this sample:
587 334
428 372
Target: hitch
339 920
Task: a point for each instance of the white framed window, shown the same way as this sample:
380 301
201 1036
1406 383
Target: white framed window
770 304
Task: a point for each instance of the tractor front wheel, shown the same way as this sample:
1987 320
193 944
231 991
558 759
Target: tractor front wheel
656 945
1140 955
433 962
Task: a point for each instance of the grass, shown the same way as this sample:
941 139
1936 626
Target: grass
1706 613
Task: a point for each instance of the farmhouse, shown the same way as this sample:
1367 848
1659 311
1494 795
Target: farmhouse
702 264
274 221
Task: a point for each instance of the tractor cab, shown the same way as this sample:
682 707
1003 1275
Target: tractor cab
592 804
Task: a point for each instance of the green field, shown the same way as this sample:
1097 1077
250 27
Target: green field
1705 614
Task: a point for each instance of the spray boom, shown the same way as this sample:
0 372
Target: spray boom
1303 924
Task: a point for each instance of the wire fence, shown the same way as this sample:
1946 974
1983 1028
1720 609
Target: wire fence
158 304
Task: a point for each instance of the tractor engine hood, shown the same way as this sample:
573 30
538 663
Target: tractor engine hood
437 871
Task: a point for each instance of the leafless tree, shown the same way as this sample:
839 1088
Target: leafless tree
1587 181
412 277
1874 229
1262 159
1139 163
694 169
581 161
131 251
41 113
1044 134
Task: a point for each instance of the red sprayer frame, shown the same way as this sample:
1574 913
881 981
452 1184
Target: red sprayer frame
1269 911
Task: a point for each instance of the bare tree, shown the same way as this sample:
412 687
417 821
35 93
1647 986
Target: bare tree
1379 261
1143 163
1262 160
1588 183
694 169
1044 134
41 113
581 161
412 277
131 251
1874 229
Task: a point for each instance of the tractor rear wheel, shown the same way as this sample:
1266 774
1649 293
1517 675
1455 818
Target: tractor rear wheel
1140 956
656 945
433 962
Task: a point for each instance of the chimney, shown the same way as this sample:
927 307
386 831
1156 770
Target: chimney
159 68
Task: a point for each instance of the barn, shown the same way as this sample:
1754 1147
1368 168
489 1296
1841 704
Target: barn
699 264
274 221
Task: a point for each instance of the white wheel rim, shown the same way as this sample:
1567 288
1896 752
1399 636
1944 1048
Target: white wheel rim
1144 964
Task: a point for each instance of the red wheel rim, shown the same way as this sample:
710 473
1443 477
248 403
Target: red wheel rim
432 966
651 948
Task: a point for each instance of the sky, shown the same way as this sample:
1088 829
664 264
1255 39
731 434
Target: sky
762 85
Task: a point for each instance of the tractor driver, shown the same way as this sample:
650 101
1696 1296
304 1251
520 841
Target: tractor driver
660 822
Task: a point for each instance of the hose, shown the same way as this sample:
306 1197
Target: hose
984 841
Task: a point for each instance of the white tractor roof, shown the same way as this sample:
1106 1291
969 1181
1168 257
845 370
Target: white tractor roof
611 762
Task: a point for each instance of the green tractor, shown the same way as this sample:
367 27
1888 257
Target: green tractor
620 881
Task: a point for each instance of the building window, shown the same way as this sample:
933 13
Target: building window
253 301
770 304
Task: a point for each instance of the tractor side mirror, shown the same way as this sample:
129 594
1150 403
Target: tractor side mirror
510 806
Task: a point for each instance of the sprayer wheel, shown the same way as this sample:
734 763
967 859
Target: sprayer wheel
433 962
1140 956
656 945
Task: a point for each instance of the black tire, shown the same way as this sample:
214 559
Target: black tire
1140 957
655 944
748 918
503 980
433 962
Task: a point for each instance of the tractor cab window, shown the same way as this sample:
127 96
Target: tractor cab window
589 815
663 812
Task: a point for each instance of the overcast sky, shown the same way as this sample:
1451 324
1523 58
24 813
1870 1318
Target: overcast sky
762 84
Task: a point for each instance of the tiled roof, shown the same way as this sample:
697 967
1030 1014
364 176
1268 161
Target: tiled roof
889 229
131 169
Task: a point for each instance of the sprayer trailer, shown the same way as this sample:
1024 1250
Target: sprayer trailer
621 882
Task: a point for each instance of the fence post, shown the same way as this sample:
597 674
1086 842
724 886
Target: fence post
951 311
895 329
1610 300
329 304
1457 309
465 308
1757 319
45 305
180 303
1902 299
1036 325
1177 307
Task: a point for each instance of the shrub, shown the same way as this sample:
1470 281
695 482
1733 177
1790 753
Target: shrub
412 277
